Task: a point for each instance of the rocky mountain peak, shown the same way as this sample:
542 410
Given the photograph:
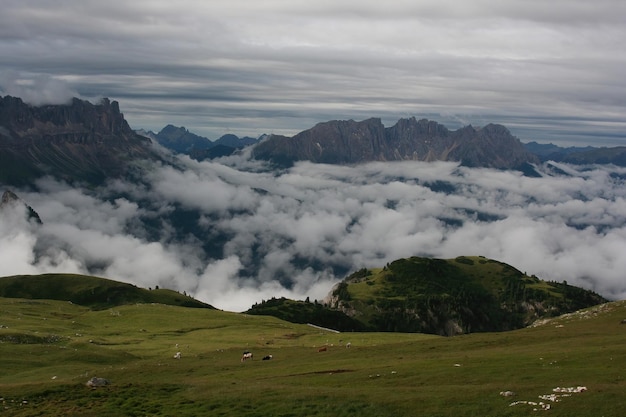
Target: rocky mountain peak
8 197
79 116
76 141
412 126
182 140
172 130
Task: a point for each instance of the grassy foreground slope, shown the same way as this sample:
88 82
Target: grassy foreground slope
50 349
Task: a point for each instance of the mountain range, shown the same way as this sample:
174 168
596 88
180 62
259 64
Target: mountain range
579 155
90 143
351 142
181 140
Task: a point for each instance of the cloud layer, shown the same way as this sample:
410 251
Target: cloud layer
232 233
550 71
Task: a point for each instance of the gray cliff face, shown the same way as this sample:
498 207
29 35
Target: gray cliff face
350 142
79 119
79 141
342 141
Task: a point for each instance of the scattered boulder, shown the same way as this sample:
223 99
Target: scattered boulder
97 382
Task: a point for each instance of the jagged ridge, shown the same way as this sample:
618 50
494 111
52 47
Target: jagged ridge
79 141
350 142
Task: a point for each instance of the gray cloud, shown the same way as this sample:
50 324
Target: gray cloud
259 233
551 71
36 89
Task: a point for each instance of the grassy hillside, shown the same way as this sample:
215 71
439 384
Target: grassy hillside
94 292
453 296
50 349
307 312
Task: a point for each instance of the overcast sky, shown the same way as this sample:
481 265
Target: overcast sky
550 71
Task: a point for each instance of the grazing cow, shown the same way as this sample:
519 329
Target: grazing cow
267 358
246 355
322 349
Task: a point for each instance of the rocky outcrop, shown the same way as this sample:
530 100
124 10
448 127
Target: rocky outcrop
10 199
96 382
350 142
79 141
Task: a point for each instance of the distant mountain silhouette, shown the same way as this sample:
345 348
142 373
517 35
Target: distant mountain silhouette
579 155
90 143
350 142
181 140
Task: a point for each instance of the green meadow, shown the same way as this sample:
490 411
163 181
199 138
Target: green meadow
50 349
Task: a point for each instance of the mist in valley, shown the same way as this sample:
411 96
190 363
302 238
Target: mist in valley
233 232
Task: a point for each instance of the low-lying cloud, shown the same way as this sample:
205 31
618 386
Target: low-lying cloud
36 89
233 233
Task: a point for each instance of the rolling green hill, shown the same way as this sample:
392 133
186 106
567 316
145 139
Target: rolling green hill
453 296
93 292
50 349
